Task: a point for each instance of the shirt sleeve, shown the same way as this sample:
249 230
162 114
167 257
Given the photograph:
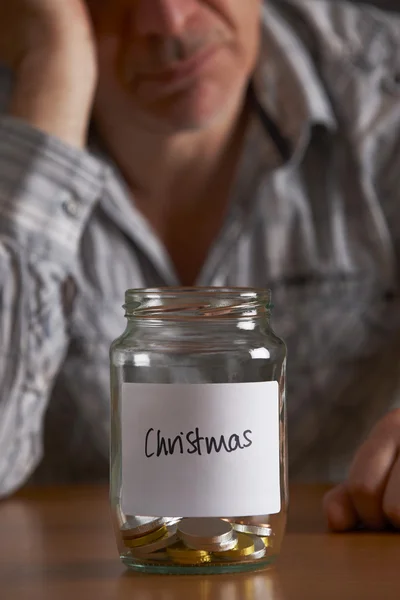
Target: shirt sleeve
47 193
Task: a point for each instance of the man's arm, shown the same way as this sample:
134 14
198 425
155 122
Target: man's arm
358 51
47 191
48 186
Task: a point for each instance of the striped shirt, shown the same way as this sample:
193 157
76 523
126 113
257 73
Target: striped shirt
320 227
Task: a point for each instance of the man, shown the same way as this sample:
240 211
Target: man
269 154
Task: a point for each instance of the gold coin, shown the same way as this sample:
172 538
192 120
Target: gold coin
259 549
185 556
191 561
267 541
162 543
245 547
146 539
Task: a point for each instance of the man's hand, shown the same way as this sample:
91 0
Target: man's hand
49 45
371 495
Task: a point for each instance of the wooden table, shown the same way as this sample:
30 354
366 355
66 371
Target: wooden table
58 544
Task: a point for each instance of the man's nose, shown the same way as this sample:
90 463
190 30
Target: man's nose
163 17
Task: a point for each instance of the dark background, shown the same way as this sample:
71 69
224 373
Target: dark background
391 4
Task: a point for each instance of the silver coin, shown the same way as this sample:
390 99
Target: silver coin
172 520
170 538
259 549
261 530
140 526
217 546
198 533
259 552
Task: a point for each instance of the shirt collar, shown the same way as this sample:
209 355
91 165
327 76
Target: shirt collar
286 83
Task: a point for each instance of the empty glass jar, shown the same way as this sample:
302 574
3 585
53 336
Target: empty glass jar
198 440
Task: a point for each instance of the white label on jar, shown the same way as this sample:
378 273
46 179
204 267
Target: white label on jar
200 450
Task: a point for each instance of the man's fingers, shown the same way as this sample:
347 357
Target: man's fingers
391 498
339 510
369 474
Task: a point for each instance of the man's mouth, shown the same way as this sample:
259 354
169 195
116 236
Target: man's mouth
178 75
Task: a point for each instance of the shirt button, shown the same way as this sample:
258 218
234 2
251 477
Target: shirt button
71 206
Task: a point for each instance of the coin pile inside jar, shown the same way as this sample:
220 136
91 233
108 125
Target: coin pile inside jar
192 541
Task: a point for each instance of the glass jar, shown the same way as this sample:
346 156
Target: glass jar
198 437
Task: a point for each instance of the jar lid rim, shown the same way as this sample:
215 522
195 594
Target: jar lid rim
197 303
225 292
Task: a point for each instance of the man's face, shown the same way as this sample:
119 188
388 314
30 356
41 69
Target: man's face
179 63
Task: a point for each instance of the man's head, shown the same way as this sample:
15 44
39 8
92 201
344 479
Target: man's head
181 62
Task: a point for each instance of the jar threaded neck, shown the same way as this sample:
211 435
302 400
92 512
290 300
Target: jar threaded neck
195 304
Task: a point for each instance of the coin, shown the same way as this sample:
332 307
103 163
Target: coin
186 556
146 539
206 533
170 538
217 547
139 526
259 549
260 530
172 520
267 541
245 547
220 547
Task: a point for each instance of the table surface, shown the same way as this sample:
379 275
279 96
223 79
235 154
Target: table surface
58 544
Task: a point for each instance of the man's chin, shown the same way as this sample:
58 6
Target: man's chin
180 115
180 123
